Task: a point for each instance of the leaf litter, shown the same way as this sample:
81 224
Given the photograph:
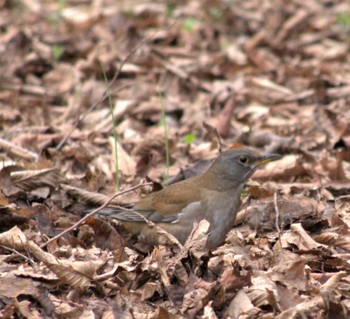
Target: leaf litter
272 75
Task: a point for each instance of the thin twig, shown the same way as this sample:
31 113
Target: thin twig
93 213
31 261
167 157
277 221
18 150
170 238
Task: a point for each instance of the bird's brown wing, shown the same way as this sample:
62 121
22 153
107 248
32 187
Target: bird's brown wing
160 207
130 215
168 203
139 215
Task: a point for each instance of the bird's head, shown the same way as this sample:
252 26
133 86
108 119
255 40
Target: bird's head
235 166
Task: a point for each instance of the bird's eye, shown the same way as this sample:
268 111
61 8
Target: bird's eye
243 159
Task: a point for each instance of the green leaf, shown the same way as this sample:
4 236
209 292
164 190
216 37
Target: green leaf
244 192
343 19
189 138
189 24
170 8
216 13
57 51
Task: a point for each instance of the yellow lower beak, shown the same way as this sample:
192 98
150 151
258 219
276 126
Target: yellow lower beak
267 158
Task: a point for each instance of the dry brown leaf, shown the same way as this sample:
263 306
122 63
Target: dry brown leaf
261 214
25 309
285 62
40 182
196 297
92 198
241 307
14 238
78 275
126 164
263 290
334 239
208 312
196 241
288 166
291 273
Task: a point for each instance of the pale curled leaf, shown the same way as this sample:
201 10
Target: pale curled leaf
64 308
331 283
13 286
333 239
262 289
126 164
241 307
149 289
197 293
304 240
306 309
29 272
77 274
18 150
291 273
164 236
28 180
69 275
24 307
13 238
209 312
197 240
160 261
86 196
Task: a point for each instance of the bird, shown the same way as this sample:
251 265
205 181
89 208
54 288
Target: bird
214 196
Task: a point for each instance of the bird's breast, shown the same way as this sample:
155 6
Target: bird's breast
221 211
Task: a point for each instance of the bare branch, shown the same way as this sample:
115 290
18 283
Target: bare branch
95 211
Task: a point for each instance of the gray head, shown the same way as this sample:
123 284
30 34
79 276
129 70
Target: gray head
235 166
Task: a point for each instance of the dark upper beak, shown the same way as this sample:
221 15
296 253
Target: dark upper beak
267 158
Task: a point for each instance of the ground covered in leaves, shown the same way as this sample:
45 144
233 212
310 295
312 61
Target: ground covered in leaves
273 75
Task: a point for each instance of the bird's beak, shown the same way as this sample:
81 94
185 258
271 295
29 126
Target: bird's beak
266 159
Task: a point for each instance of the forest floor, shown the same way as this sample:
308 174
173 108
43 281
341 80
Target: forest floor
273 75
